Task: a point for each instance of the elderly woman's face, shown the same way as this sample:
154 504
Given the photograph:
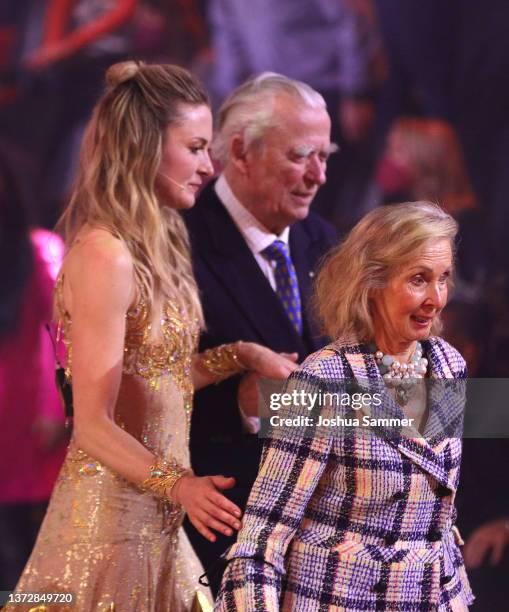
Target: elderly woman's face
404 311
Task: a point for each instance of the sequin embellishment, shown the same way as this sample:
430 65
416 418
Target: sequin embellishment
142 355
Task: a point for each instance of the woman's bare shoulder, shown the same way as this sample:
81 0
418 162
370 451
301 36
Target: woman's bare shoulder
97 246
99 262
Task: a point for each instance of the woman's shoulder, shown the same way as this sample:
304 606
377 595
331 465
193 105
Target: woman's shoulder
444 355
99 264
98 245
97 251
329 362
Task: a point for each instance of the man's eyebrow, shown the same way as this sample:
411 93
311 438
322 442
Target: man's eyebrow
306 150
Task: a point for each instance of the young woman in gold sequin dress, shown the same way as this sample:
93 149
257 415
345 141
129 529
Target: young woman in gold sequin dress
130 312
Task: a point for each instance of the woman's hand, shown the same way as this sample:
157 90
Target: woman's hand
237 357
206 508
267 363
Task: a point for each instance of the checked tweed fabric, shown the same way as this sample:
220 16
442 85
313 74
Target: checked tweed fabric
287 286
353 522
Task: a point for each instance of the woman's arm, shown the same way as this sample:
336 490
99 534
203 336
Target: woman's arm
292 463
99 288
217 364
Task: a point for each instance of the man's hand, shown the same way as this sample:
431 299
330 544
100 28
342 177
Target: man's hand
248 395
488 539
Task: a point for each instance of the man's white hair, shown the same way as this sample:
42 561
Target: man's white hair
249 110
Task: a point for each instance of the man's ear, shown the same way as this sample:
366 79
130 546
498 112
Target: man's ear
238 155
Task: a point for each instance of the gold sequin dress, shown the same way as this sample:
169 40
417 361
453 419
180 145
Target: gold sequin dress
113 546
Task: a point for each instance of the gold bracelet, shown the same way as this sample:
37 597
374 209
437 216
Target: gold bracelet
223 361
163 477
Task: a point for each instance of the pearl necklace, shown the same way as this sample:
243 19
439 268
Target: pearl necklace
402 376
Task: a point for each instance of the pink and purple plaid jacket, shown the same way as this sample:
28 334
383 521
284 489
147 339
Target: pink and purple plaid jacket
351 522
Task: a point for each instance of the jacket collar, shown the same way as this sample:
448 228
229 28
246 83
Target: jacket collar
428 451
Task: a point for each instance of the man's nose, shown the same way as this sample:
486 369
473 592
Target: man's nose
316 170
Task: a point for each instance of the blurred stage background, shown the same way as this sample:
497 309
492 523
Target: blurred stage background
418 92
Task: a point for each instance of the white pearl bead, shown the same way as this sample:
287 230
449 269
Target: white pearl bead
402 376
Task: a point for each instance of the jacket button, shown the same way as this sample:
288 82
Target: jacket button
342 523
434 535
390 539
398 496
445 580
380 586
442 491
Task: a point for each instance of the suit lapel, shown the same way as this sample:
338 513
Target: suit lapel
235 267
304 252
417 449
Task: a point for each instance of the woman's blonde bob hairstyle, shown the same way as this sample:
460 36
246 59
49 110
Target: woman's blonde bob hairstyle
115 186
378 246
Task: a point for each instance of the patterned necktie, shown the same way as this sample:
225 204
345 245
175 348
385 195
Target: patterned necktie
287 286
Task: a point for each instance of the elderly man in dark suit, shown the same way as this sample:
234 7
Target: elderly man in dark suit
255 248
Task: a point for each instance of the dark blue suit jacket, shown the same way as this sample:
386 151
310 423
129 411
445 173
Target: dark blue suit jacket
240 304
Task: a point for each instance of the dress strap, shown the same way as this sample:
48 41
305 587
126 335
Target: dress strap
59 298
63 324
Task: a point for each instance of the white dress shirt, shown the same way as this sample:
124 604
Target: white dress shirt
257 238
256 235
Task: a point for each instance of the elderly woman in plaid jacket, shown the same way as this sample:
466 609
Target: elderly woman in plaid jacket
354 520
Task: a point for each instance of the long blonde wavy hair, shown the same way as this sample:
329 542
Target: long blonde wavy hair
115 185
383 240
